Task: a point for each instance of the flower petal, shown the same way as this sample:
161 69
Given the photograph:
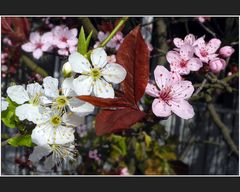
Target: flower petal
67 87
37 53
200 42
186 52
80 107
160 108
103 89
79 63
178 42
83 85
152 90
194 64
28 47
173 57
182 90
47 134
182 109
189 39
114 73
50 85
99 58
35 37
4 104
162 76
34 89
39 152
213 45
18 94
72 119
29 112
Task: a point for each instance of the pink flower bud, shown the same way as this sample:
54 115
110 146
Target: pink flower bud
226 51
217 64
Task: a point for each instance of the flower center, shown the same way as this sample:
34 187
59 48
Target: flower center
62 101
39 45
55 120
204 53
95 73
64 39
165 94
183 64
36 100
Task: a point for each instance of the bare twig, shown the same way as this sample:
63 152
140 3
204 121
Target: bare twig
208 30
200 87
223 128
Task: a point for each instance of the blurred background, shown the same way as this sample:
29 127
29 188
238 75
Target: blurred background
193 147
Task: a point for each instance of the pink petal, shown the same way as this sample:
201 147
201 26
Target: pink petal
72 41
194 64
226 51
189 39
213 45
200 42
28 47
182 90
182 109
162 76
47 37
175 77
152 90
160 108
35 37
178 42
74 32
186 52
37 53
173 57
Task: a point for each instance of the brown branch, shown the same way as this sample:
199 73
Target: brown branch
223 128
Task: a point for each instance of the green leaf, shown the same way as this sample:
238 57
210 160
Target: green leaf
83 43
23 140
147 139
8 116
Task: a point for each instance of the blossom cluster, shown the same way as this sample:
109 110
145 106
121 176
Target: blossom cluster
190 54
56 111
60 38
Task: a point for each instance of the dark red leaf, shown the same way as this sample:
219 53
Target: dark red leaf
133 55
100 102
111 121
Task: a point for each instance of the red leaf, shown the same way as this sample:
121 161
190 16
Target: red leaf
111 121
133 55
17 28
100 102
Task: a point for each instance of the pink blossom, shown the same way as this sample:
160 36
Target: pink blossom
38 44
171 95
114 43
4 57
189 40
183 61
65 39
217 64
206 51
7 41
226 51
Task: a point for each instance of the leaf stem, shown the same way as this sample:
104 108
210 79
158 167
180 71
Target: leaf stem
114 31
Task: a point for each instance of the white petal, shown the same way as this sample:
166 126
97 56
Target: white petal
45 100
29 112
114 73
47 134
39 152
34 89
79 63
80 107
67 87
18 94
103 89
72 119
4 104
50 162
99 58
83 85
50 85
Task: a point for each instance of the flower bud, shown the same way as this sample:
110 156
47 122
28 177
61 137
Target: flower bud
66 70
217 64
226 51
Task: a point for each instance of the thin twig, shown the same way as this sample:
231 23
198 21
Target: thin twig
208 30
201 87
223 128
